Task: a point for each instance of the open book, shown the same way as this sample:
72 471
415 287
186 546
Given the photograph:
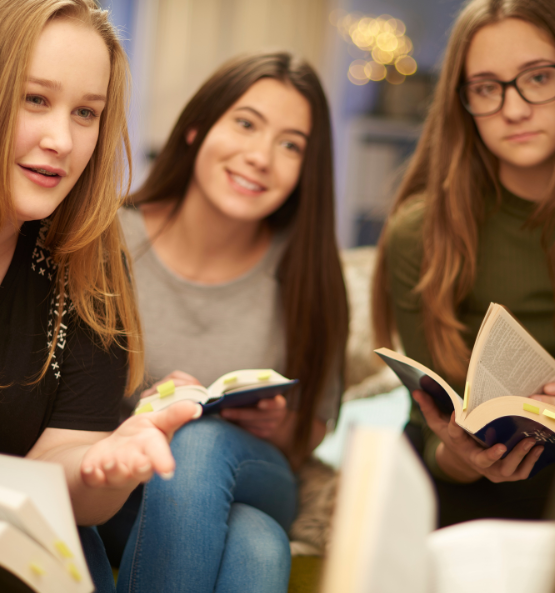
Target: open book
383 538
39 544
232 390
506 366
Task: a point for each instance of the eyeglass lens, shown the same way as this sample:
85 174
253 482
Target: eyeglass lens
483 97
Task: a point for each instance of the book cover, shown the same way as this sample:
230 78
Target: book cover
236 389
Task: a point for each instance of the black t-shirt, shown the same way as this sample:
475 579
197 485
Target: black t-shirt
84 384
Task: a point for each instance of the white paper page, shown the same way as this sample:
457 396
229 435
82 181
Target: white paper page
510 364
403 516
495 556
46 485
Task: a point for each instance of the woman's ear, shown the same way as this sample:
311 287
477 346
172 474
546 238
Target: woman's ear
190 136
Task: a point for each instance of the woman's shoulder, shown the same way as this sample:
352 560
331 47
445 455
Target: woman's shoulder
132 224
404 226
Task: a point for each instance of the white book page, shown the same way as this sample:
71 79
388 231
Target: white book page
45 484
493 555
510 363
399 522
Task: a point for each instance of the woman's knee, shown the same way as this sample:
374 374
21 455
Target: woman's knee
259 541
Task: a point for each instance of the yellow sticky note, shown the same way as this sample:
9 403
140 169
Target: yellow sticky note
145 408
74 572
264 376
167 388
530 408
231 379
465 400
63 549
549 414
36 569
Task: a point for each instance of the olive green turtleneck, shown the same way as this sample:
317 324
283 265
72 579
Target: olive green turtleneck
511 270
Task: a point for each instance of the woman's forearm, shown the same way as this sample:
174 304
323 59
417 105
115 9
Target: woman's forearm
91 506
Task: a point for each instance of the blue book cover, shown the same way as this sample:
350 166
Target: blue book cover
506 419
242 388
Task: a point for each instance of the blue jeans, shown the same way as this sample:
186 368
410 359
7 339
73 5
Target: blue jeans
220 524
97 560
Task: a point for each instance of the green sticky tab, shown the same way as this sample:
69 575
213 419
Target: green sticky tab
64 551
465 400
530 408
165 389
145 408
74 572
229 380
36 569
264 376
549 414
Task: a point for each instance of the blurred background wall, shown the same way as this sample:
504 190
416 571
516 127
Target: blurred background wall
377 60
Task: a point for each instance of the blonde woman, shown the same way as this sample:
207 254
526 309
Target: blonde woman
69 338
473 223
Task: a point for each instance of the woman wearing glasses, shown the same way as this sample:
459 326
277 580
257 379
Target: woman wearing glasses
473 223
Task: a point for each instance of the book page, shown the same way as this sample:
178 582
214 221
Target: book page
385 510
493 555
511 362
46 485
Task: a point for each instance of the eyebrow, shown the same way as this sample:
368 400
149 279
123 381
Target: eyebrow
264 119
526 65
57 86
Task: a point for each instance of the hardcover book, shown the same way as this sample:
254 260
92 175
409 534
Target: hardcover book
507 366
237 389
40 548
383 538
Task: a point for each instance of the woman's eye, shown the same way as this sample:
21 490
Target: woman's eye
244 123
292 146
485 89
84 113
34 99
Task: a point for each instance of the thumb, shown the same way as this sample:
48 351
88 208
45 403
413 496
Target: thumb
175 416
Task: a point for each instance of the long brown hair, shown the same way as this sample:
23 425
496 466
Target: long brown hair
454 170
312 288
84 235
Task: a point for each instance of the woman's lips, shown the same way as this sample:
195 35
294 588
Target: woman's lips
522 137
244 185
41 179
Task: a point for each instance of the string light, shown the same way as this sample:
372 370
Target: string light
383 40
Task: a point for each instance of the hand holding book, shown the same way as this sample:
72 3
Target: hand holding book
261 417
464 460
261 420
507 408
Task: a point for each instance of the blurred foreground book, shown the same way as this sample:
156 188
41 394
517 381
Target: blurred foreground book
40 548
383 538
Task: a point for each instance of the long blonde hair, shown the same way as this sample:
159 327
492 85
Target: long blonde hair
84 236
454 170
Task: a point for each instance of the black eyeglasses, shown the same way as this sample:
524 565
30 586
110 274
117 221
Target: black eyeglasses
486 97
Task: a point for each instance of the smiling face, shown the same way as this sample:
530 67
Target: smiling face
520 135
59 118
250 160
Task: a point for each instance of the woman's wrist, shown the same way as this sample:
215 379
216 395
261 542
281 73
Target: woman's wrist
454 467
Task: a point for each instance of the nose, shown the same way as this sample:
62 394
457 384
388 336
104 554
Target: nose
515 108
56 134
259 152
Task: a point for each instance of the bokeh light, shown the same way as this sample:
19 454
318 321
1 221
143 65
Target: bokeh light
382 40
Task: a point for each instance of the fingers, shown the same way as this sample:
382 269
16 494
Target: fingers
434 418
157 451
549 388
175 416
253 414
275 403
546 399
